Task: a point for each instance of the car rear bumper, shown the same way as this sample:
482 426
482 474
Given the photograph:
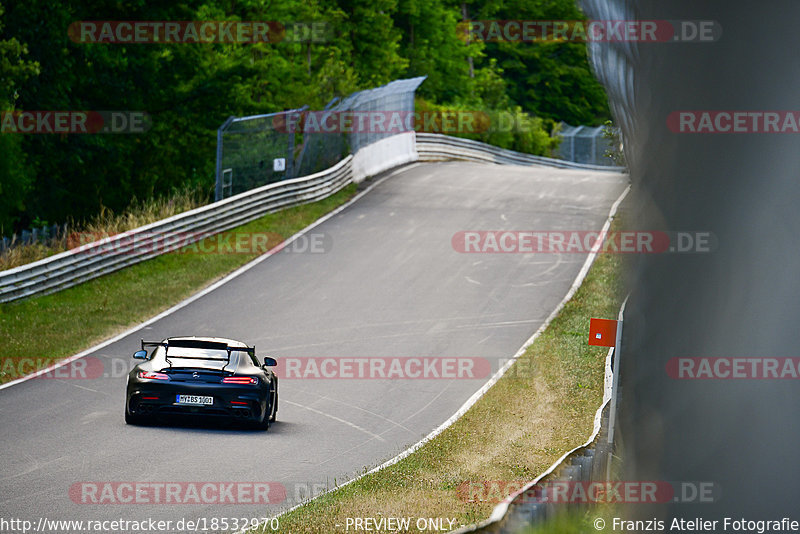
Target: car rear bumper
229 401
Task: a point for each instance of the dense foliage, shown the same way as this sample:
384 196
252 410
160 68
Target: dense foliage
190 89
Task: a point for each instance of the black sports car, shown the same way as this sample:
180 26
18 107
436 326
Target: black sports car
202 376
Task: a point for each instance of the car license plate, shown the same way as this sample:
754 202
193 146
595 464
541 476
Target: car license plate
194 399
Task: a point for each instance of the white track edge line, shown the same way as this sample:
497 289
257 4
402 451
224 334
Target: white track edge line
482 391
499 511
203 292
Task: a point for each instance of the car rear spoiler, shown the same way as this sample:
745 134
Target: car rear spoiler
198 344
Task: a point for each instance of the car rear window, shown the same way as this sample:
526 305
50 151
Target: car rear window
194 357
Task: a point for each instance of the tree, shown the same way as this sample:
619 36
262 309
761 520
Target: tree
549 79
189 89
15 176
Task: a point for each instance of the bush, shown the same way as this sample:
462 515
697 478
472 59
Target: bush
512 128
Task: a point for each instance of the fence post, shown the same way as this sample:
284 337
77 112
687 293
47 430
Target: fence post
218 185
290 166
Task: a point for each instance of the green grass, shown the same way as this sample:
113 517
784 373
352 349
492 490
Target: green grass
55 326
543 407
105 223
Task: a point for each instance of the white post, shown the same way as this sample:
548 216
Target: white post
612 416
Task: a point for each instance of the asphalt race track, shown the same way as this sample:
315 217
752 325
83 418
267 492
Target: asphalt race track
389 284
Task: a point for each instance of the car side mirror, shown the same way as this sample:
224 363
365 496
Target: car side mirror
140 354
269 362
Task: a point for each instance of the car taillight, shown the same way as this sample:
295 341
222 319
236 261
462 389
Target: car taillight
240 380
152 375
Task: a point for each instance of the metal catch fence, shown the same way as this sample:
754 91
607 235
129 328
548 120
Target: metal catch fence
584 144
263 149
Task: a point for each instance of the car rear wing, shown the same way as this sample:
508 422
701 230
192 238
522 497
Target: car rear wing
197 344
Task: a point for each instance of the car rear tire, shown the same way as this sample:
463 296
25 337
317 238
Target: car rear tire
274 414
263 424
132 419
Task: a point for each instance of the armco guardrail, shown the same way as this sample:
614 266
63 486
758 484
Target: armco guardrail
531 505
437 147
116 252
113 253
535 502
